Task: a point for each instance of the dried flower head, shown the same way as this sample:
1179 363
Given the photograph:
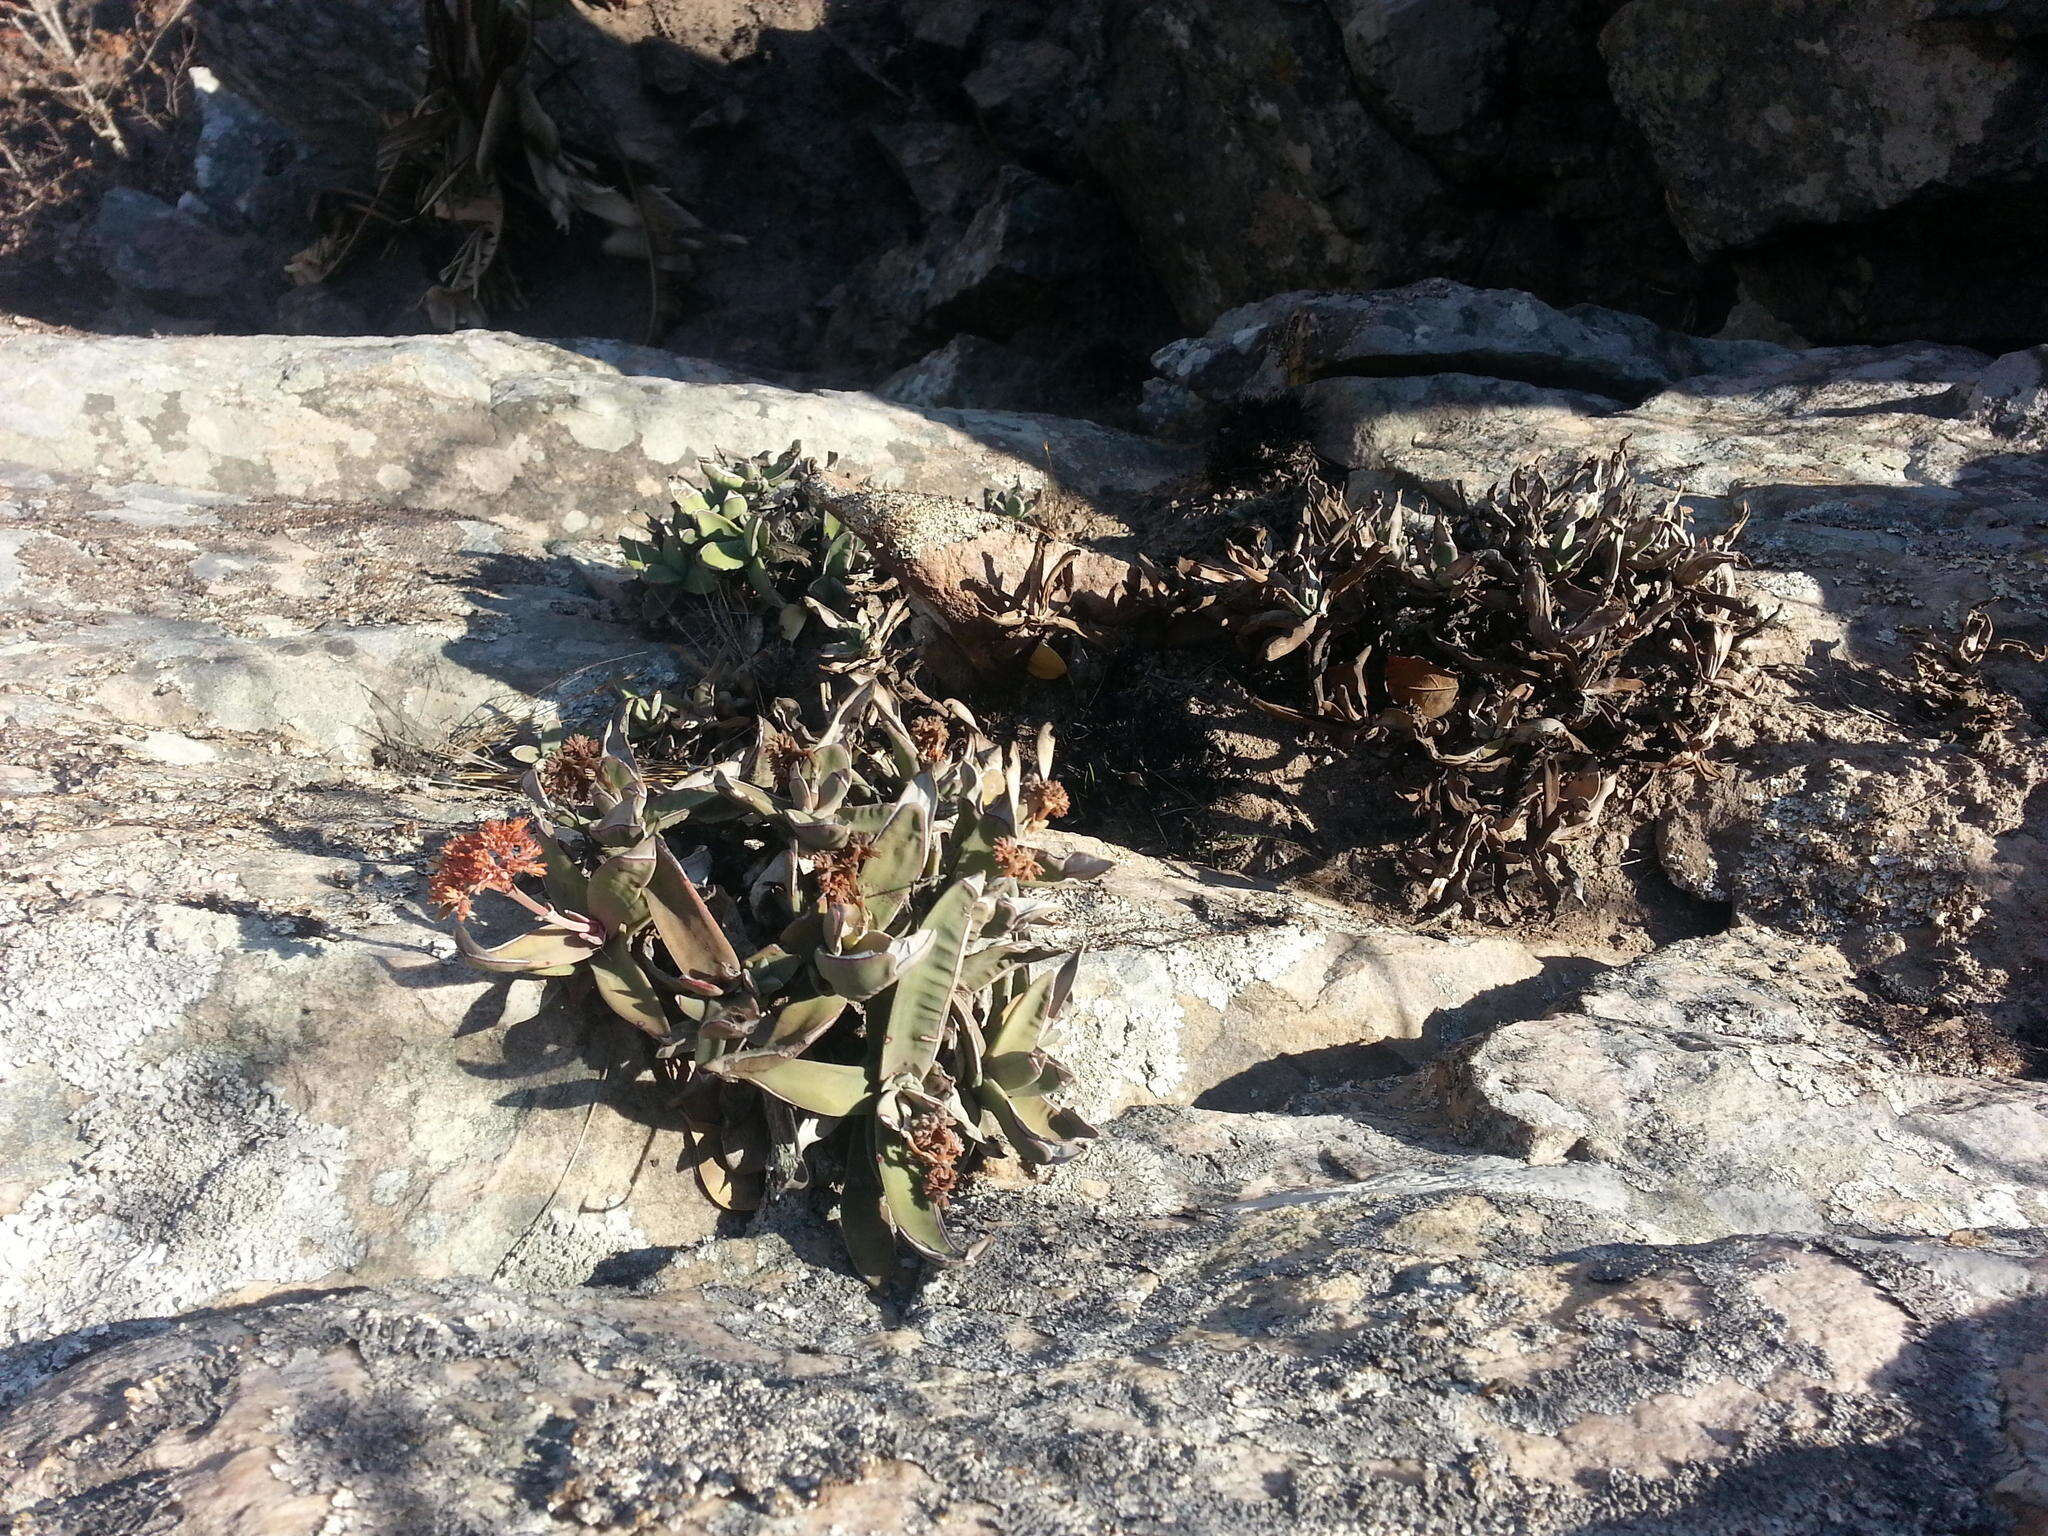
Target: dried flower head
785 755
1017 861
1045 800
933 738
839 871
935 1146
568 776
485 858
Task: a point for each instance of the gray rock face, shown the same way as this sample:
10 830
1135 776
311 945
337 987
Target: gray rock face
1864 162
1365 1364
1263 147
1719 1078
1440 327
239 1053
1699 1251
488 425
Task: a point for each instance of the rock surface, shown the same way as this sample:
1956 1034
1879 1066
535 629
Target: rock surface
490 425
1399 1361
1700 1244
1863 161
237 1053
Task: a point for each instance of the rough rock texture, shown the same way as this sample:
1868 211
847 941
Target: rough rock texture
1710 1246
1337 1319
1720 1079
236 1052
1396 1361
1258 147
489 425
1440 326
1868 164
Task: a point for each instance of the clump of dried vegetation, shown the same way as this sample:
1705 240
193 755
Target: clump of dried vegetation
478 155
86 89
1537 654
821 913
1950 683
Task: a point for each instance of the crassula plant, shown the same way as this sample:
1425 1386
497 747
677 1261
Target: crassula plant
826 937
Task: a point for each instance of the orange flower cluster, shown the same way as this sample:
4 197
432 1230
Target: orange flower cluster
1017 861
485 858
839 872
1046 800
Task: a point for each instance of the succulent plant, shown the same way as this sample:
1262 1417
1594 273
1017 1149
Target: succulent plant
1016 502
845 956
753 532
475 150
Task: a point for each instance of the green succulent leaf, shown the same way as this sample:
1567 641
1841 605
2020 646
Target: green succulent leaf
685 925
723 555
889 876
817 1087
626 990
862 972
924 995
915 1218
796 1026
618 891
567 886
547 950
1040 1133
1024 1020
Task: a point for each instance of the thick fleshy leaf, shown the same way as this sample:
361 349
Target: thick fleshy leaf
550 950
859 974
794 1027
816 834
1040 1133
980 970
704 1152
974 841
769 970
1076 866
870 1239
567 886
752 796
626 990
924 995
1023 1074
687 929
889 876
819 1087
916 1219
618 891
1023 1020
675 804
863 1215
722 555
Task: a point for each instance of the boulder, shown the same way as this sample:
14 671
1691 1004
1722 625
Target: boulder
1440 327
1263 147
236 1050
1705 1243
1721 1080
553 440
1870 166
